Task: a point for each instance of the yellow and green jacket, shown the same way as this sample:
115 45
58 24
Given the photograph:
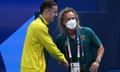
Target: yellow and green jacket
38 39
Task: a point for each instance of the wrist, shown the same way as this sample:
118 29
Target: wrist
98 61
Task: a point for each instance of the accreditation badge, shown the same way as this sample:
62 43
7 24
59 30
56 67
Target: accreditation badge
75 67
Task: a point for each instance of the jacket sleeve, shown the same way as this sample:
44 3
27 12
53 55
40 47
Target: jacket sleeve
47 42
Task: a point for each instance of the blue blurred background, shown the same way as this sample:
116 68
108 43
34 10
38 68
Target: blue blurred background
101 15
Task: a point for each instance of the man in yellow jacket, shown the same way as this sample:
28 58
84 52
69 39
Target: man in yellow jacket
38 39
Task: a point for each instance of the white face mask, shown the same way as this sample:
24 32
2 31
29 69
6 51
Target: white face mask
71 24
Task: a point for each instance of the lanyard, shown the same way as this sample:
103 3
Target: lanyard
78 45
80 42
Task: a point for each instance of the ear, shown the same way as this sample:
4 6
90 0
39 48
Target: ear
46 10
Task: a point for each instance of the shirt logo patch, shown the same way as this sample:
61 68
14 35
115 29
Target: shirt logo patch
82 37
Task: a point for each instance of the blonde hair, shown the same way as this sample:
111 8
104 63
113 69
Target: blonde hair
61 18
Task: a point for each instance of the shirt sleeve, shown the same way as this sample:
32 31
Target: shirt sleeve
95 41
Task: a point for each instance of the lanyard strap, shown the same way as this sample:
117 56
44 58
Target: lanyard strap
68 45
80 42
78 45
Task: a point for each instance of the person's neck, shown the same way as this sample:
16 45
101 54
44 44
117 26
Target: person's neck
72 34
44 16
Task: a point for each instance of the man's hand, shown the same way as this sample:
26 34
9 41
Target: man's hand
66 64
94 67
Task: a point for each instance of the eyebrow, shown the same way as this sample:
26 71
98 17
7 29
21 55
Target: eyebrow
71 18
